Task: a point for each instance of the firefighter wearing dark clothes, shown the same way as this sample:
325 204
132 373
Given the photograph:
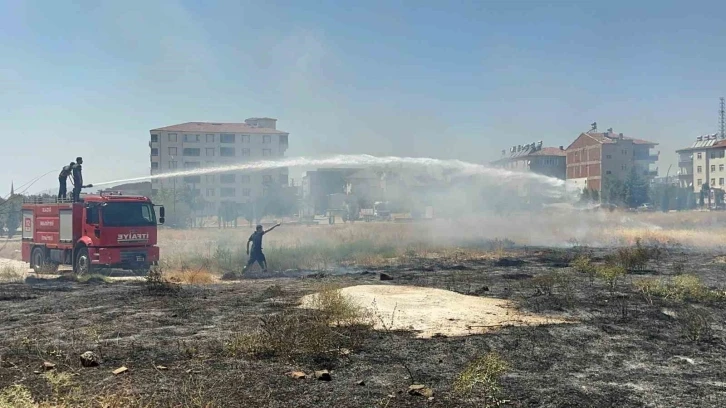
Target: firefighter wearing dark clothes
256 255
63 180
77 180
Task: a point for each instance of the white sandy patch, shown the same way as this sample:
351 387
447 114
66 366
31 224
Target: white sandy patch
429 311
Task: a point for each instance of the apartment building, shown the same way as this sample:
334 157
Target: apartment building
548 161
703 162
195 145
593 157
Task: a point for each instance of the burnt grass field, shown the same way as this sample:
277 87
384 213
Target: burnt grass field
653 337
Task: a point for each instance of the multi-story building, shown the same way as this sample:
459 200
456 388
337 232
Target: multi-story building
548 161
195 145
704 162
594 157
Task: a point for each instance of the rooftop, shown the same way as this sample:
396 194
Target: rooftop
530 150
705 142
612 137
216 127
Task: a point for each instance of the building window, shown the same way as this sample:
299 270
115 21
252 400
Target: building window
245 192
245 138
154 151
699 157
210 138
191 138
721 154
210 164
226 138
226 178
154 165
172 151
267 179
191 165
210 151
720 167
699 182
625 152
713 182
720 181
226 192
226 151
210 192
713 155
609 156
172 164
245 178
191 152
193 179
266 138
623 167
154 138
713 167
266 152
608 172
699 169
172 137
209 178
283 140
245 152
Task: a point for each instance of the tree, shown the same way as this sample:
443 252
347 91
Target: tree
178 213
614 191
594 195
636 189
585 195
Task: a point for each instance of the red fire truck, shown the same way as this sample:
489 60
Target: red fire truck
105 230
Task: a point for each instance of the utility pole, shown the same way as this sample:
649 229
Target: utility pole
722 120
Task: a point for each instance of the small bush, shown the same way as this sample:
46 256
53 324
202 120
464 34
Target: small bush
583 264
483 375
633 259
611 274
696 324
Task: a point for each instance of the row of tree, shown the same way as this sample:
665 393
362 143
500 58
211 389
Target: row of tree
186 206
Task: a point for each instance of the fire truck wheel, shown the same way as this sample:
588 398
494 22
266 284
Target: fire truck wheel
83 262
37 259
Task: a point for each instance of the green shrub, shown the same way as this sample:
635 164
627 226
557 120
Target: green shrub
483 375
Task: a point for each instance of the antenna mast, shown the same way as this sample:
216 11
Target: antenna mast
722 119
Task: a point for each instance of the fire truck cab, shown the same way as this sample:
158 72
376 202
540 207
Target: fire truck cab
104 230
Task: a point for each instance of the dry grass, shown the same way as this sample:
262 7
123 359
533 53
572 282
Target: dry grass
338 324
191 277
483 375
10 273
678 289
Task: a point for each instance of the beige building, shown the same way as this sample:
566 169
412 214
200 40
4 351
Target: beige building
194 145
548 161
704 162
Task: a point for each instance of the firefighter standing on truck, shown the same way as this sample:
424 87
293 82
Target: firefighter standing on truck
77 180
63 180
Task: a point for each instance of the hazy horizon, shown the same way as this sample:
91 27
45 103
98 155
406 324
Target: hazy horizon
415 79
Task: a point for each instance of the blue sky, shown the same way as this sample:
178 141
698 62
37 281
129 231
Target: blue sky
442 79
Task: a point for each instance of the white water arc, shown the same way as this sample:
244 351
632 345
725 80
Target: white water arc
458 167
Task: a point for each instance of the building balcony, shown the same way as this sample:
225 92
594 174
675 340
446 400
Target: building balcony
646 157
686 163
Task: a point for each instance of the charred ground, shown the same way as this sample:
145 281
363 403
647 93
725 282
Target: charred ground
634 343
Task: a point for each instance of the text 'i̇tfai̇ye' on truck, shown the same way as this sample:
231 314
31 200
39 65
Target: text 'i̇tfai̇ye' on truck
102 231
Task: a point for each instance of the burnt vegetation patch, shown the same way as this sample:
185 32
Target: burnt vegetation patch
645 330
